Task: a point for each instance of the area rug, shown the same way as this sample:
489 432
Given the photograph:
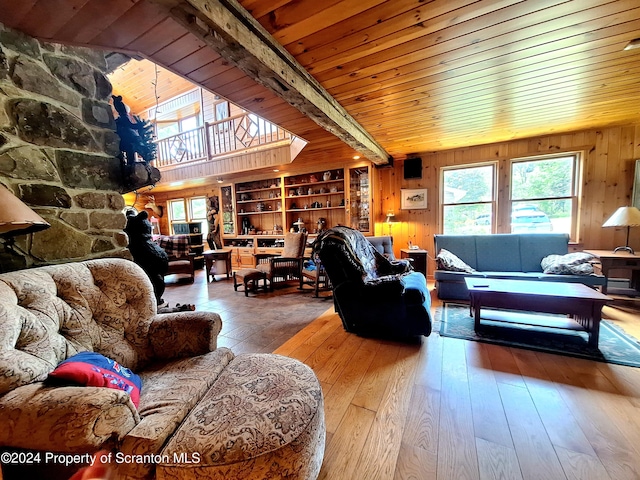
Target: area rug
614 345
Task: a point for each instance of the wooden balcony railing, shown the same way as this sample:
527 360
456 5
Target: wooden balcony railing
233 134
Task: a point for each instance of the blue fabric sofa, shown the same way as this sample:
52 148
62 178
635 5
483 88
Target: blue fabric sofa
507 256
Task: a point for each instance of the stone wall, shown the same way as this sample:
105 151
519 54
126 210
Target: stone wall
58 150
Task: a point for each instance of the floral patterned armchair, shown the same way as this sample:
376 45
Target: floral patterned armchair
49 314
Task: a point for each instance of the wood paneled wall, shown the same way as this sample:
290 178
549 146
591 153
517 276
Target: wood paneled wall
162 199
609 156
210 187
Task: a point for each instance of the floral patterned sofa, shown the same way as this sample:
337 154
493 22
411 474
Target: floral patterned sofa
203 412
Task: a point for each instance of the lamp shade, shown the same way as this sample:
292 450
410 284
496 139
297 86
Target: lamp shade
16 218
390 217
624 217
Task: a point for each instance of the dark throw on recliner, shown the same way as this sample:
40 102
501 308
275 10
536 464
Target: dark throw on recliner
373 296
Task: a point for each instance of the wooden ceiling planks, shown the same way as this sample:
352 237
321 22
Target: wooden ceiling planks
417 25
16 12
178 50
418 75
468 48
450 67
135 82
369 26
441 87
142 17
157 37
194 61
560 95
324 15
82 28
584 79
50 17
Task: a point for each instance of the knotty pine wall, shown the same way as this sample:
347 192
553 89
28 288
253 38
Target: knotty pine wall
609 156
607 183
210 187
162 198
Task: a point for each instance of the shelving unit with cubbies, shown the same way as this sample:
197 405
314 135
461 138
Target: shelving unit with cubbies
259 207
314 196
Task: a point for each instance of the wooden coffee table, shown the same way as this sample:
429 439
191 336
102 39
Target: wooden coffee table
582 304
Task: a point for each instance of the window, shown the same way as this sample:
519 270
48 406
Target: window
468 199
189 123
177 211
166 128
222 110
543 194
197 212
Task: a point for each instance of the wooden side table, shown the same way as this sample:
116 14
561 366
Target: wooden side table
619 261
216 256
419 259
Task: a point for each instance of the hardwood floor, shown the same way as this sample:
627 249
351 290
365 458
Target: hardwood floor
454 409
258 323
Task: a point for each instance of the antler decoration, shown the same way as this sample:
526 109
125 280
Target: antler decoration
151 203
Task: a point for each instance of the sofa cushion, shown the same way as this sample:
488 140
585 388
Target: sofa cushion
498 253
447 276
95 370
175 245
589 280
294 245
448 261
384 245
513 275
576 263
464 246
535 246
170 391
264 415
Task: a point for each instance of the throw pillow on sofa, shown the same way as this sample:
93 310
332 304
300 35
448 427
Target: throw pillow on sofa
449 261
577 263
94 370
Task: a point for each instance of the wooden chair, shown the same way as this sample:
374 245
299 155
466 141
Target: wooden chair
314 274
286 267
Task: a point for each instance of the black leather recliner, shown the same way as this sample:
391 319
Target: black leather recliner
373 295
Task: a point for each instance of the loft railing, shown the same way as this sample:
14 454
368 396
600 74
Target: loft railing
233 134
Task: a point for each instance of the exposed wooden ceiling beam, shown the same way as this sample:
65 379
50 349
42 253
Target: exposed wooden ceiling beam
231 31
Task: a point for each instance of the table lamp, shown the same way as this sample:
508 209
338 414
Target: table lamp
391 219
624 217
299 224
16 218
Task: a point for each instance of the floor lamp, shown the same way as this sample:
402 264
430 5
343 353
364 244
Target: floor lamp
624 217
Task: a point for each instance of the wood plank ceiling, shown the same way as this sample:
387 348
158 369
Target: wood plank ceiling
418 75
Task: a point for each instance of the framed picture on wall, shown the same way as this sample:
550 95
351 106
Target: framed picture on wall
635 196
413 198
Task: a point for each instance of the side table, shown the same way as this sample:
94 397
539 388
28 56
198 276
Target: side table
619 261
419 258
219 258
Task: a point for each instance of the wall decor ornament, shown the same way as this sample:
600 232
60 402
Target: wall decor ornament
413 198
